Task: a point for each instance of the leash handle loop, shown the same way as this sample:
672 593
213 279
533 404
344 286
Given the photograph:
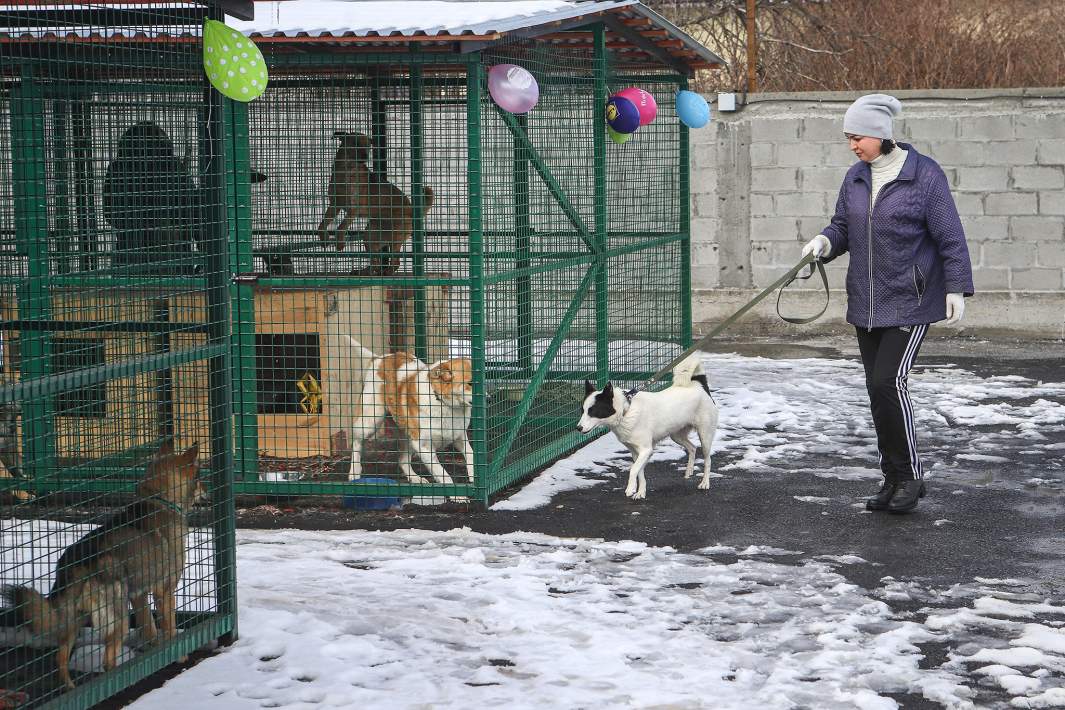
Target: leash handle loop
824 280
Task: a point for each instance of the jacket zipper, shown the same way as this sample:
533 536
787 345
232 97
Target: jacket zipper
920 294
869 254
869 227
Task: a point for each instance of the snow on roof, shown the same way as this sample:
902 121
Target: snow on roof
438 22
359 18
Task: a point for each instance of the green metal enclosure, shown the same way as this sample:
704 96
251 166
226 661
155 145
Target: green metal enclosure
117 199
530 245
370 283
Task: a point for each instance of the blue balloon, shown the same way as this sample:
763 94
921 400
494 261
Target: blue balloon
622 114
692 109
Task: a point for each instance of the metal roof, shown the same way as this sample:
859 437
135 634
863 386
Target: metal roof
410 18
636 32
398 21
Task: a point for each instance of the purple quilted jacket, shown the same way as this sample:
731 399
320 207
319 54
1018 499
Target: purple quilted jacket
909 254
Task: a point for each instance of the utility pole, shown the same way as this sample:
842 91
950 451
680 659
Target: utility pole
752 49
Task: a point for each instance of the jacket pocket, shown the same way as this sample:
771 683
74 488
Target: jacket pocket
919 283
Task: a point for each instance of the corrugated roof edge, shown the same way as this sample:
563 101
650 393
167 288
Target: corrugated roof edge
680 34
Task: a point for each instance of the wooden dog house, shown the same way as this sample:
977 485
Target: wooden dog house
299 330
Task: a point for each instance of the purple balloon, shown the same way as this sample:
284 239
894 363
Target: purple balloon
513 88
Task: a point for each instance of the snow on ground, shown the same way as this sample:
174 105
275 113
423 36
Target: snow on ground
457 619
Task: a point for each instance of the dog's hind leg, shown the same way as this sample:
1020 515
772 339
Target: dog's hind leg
424 451
355 470
327 220
406 468
467 453
706 440
62 654
681 437
145 621
364 427
165 602
116 633
637 486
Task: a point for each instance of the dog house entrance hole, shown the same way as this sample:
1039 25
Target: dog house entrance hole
281 361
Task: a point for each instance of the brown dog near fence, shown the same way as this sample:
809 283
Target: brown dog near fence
138 550
356 191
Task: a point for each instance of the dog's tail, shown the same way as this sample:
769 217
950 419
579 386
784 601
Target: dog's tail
689 369
367 354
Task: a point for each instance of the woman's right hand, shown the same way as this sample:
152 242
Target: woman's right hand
819 246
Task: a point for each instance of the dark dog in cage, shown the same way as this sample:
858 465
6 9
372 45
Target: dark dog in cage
137 551
152 202
358 192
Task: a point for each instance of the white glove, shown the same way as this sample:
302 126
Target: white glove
819 246
955 308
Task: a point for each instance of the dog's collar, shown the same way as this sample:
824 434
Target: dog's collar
167 503
446 404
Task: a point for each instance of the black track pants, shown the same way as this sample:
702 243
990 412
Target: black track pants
888 354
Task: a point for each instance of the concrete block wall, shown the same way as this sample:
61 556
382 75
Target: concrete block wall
765 179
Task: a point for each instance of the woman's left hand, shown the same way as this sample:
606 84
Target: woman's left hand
955 308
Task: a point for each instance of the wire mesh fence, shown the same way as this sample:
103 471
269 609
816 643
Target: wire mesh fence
114 430
371 283
435 277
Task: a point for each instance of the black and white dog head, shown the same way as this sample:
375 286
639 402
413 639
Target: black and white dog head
601 407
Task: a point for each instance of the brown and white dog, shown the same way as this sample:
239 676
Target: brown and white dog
431 404
356 191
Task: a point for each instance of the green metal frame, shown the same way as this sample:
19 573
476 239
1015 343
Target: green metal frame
40 106
488 264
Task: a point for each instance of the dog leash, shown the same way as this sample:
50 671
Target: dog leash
781 283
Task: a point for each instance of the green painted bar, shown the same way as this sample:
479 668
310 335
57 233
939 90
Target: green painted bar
67 381
519 469
242 295
584 259
540 375
522 255
479 415
333 281
417 186
219 203
685 294
602 304
29 172
537 161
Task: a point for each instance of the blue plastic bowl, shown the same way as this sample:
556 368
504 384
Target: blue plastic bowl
373 502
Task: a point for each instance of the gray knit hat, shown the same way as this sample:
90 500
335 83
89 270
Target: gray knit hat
871 116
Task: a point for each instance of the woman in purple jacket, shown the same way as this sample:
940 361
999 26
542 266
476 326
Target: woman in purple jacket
909 267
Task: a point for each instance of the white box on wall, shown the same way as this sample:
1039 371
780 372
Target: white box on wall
726 102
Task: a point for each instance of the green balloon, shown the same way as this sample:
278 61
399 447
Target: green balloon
618 138
234 65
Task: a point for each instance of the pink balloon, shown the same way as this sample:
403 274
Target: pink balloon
645 103
513 88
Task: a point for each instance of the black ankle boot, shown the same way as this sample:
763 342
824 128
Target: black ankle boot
882 497
907 493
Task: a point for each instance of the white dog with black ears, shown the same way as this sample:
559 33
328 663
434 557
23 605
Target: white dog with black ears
648 417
